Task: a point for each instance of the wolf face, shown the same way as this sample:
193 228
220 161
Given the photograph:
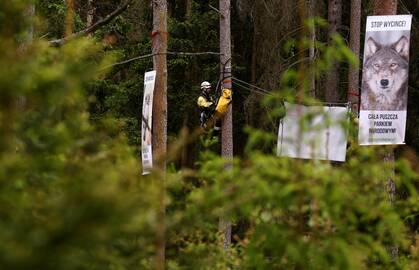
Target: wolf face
385 75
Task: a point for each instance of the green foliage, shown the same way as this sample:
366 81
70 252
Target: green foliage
299 214
294 214
70 193
56 11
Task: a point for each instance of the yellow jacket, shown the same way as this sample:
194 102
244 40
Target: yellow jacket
202 102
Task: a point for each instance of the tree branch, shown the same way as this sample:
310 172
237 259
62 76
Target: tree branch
216 10
154 54
94 27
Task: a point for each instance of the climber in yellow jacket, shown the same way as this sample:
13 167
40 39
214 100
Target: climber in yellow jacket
210 109
205 103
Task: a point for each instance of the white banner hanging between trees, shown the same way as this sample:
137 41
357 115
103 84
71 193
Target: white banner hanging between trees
147 122
382 118
313 132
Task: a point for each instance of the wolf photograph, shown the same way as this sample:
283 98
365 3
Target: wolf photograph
385 73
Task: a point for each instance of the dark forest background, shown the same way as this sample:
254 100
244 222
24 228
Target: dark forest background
262 38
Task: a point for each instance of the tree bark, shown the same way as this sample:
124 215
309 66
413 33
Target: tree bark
227 125
354 45
31 14
92 28
302 71
160 36
332 78
29 17
69 18
312 50
28 40
90 14
252 99
188 9
254 73
385 7
388 7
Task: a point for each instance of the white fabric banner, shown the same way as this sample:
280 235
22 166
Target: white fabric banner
384 80
389 23
313 132
147 122
384 127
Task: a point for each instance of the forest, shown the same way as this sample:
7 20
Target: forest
278 134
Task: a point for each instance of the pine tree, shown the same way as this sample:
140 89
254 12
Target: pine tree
354 45
332 78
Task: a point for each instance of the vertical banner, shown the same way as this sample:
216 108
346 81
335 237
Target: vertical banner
382 118
147 122
313 132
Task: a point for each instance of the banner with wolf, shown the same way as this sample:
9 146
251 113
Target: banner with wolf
383 110
147 122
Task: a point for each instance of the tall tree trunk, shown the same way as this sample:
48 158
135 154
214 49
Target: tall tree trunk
31 29
332 78
29 15
388 7
354 44
69 18
252 99
160 36
188 9
90 14
301 52
254 72
227 125
385 7
311 4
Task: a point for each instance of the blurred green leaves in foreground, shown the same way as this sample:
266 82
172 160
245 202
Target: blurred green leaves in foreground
71 194
69 191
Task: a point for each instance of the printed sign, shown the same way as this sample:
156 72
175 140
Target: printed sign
313 132
147 122
382 118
